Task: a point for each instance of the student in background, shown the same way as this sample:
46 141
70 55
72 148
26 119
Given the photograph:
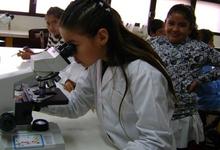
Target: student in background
126 81
206 36
184 56
156 28
52 18
208 93
72 72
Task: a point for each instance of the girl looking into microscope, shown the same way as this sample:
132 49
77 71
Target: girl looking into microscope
126 81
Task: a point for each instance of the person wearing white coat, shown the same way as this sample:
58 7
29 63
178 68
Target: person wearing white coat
146 111
125 81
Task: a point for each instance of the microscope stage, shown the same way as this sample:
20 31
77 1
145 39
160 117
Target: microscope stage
22 138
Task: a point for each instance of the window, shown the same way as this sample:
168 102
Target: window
163 6
132 11
208 15
15 5
43 5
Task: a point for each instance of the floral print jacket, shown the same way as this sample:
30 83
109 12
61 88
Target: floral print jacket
183 62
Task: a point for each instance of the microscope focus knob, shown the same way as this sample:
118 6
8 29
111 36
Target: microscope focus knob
7 122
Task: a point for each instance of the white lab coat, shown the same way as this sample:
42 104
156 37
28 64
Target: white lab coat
146 111
73 71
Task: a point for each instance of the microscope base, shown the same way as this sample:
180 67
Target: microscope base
24 138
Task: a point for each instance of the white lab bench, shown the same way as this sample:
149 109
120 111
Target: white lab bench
79 134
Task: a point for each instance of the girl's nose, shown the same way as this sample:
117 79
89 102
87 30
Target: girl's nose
175 28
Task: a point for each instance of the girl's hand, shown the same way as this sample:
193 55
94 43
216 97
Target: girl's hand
193 86
25 53
27 49
69 85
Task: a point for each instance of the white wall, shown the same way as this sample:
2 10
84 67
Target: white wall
25 23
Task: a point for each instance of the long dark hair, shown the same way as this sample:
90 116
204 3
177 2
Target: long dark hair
188 12
88 16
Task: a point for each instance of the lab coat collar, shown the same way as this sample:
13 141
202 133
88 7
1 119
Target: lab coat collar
107 76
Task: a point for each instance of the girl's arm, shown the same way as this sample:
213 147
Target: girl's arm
80 101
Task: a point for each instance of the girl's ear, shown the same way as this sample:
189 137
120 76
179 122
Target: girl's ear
102 36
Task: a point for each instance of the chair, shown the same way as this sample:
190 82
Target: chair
38 38
212 135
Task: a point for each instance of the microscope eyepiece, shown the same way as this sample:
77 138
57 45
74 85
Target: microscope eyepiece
67 50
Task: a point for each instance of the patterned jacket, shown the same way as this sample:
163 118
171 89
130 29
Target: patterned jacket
183 62
54 41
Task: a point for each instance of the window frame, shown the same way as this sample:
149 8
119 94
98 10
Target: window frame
212 1
32 9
